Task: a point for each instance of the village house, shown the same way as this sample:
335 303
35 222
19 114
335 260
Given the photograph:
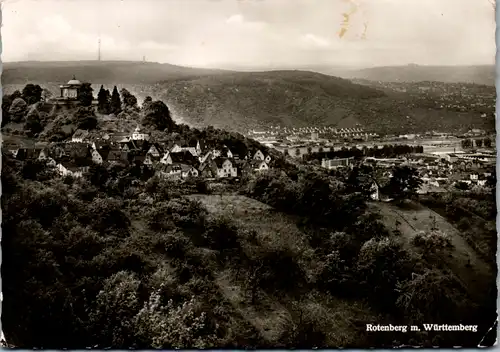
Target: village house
120 137
226 152
166 159
207 156
150 160
67 168
182 157
208 169
377 193
176 148
44 154
116 156
155 150
138 135
481 181
259 156
188 171
225 168
96 157
259 165
168 171
80 136
194 147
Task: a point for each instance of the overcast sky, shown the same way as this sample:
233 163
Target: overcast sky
232 33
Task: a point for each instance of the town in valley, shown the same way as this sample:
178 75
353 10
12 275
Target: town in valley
248 175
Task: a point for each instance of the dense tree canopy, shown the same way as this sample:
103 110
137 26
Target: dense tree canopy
104 101
85 94
405 182
157 116
129 100
17 110
32 93
116 103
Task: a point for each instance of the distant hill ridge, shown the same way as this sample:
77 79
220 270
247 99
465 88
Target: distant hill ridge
479 74
243 100
131 72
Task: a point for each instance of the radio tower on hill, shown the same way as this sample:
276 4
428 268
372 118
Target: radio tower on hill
99 49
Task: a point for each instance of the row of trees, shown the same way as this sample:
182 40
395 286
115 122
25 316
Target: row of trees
115 102
387 151
469 143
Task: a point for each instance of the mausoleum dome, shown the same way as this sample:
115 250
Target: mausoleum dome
74 82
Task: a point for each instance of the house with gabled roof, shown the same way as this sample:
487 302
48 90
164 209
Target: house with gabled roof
150 160
96 157
176 148
120 137
226 152
183 157
166 159
191 147
208 169
137 159
169 171
80 136
44 154
225 168
188 171
376 192
155 150
139 135
117 156
67 168
100 144
206 157
259 165
259 155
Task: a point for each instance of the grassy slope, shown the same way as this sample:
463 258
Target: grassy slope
415 218
343 320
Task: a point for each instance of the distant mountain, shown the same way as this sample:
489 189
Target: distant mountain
244 100
117 72
481 74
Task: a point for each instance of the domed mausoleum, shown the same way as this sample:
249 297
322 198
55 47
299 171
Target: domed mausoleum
70 89
69 94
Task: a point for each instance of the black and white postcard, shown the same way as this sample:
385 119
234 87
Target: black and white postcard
248 174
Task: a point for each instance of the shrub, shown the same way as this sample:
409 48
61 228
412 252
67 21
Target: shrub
172 327
432 243
221 234
112 314
381 265
432 296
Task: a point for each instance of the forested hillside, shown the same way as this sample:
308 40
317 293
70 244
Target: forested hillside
239 101
121 259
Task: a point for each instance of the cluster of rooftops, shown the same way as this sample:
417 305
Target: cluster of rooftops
167 159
